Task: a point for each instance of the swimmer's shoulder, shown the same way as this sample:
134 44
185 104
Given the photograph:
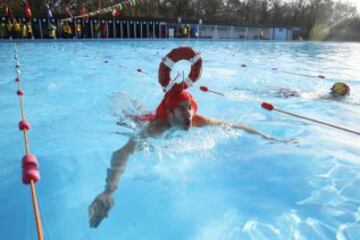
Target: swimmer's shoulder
154 128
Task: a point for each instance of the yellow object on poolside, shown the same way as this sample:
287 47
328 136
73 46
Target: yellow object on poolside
78 27
97 27
29 28
2 30
17 27
340 88
24 31
52 31
9 26
67 29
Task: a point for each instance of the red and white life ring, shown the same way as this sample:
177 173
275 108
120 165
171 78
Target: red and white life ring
177 54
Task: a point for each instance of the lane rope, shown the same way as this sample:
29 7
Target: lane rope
270 107
30 164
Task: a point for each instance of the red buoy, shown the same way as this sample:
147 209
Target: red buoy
267 106
20 92
204 89
30 169
24 125
30 173
30 160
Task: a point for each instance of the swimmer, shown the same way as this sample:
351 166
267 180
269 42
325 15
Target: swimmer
338 91
178 110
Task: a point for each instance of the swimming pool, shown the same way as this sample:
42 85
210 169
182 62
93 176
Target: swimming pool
209 183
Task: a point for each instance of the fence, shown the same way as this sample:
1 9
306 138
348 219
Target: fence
40 28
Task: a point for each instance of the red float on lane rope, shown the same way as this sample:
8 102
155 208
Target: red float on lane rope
267 106
204 89
30 169
20 92
24 125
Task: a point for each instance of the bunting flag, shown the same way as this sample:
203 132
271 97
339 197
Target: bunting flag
111 9
115 12
49 13
9 13
7 10
28 14
67 10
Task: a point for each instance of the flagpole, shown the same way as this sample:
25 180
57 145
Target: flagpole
83 21
114 29
41 31
48 19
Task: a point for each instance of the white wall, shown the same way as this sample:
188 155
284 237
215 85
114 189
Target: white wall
250 33
280 34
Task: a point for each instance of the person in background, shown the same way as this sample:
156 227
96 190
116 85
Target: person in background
185 32
97 29
67 31
78 30
52 31
188 31
29 30
10 29
17 29
104 29
24 31
3 33
337 92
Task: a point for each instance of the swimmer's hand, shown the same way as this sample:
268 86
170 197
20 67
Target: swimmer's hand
99 208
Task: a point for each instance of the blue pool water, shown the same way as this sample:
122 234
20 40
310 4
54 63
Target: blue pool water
209 183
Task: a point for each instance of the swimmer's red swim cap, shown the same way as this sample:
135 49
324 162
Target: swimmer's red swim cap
172 100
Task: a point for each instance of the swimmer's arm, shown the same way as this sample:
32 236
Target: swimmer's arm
327 97
102 204
201 121
119 158
117 165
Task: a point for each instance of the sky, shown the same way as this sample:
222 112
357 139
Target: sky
354 2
